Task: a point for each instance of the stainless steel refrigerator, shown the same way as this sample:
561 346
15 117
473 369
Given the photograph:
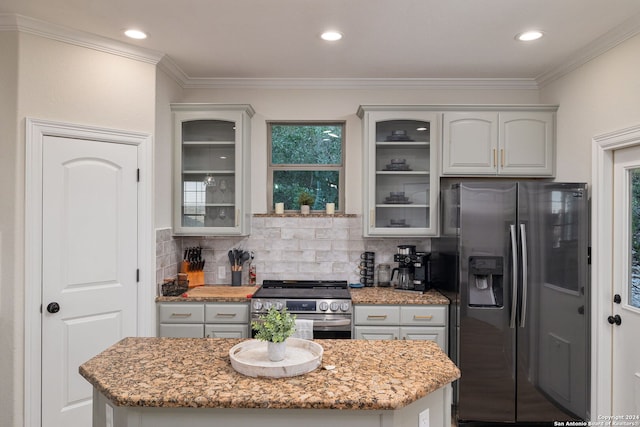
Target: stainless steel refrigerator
520 256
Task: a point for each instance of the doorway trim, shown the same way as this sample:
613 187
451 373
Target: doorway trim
35 131
603 148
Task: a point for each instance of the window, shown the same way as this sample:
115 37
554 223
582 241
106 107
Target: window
306 157
194 206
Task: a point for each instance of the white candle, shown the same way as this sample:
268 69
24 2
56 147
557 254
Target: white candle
279 208
331 208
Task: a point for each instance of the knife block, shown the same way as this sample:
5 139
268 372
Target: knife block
196 277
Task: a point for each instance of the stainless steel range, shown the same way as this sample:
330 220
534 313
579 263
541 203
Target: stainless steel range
326 302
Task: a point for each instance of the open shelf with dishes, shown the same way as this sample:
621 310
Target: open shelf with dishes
400 176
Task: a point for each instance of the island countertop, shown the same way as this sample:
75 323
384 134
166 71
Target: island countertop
376 295
187 372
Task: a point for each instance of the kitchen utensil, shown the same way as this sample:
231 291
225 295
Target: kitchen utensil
405 281
384 275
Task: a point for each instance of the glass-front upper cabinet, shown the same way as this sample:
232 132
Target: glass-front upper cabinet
400 179
212 169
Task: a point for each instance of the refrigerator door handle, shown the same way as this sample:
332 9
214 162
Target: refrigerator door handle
514 276
525 278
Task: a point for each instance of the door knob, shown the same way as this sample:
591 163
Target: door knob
615 319
53 307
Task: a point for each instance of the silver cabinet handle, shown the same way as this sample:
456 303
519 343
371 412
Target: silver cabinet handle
181 314
525 281
514 276
226 314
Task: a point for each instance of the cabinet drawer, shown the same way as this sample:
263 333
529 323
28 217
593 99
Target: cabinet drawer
423 315
226 331
181 313
172 330
377 315
227 313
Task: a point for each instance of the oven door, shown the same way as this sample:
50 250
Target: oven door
331 326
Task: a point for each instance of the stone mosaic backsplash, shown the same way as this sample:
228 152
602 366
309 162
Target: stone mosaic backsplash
289 247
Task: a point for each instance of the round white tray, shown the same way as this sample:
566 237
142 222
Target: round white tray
250 358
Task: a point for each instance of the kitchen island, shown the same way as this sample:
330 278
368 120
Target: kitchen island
182 381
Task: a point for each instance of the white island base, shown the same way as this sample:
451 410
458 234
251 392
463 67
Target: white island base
436 407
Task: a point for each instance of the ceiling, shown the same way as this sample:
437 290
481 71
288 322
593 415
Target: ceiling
383 39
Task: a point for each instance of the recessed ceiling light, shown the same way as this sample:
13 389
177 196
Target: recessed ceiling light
528 36
331 36
135 34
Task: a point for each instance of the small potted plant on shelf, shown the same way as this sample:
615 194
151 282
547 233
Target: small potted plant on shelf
275 327
305 200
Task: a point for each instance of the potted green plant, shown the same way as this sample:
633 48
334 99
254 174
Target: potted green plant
305 200
275 327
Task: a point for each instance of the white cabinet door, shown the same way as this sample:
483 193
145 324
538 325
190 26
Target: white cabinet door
526 141
226 331
376 333
178 330
517 143
470 143
437 334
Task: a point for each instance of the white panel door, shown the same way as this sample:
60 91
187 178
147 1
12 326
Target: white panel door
89 235
625 310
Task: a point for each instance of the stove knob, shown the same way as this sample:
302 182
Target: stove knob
279 305
267 305
257 305
323 306
334 306
344 306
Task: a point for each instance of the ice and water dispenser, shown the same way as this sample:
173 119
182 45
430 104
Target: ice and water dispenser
486 281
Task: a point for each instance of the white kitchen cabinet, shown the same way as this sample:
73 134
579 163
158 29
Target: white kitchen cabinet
199 319
518 142
400 148
211 169
407 322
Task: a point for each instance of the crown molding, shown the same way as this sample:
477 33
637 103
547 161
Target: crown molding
13 22
174 71
606 42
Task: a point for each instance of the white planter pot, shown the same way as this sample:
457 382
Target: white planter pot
276 350
305 209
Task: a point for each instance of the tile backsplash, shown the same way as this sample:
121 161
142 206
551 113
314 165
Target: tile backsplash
285 247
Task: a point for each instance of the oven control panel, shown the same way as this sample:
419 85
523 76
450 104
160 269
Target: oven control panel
261 305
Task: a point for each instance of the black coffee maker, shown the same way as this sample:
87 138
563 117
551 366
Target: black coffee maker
414 264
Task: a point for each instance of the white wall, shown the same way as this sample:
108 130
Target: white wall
46 79
323 104
167 91
10 236
601 96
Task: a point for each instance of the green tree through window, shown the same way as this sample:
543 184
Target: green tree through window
306 157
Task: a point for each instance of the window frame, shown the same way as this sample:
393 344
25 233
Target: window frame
271 168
